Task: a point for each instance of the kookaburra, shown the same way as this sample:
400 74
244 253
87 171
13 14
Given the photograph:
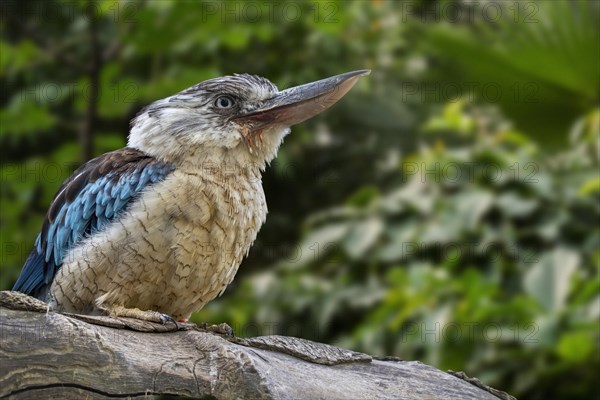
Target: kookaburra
159 228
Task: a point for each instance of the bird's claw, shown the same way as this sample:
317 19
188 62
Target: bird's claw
165 319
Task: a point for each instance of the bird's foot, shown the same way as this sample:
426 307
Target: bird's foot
221 329
147 315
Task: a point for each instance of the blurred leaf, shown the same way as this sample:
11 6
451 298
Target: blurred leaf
16 58
25 117
548 280
590 187
452 119
514 205
364 196
319 242
575 346
471 206
399 236
362 236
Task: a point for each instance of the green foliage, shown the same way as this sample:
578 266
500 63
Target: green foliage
533 58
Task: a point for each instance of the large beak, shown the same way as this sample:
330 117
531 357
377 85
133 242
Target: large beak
297 104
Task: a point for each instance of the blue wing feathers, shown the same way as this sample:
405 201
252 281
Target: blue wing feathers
95 194
30 281
88 207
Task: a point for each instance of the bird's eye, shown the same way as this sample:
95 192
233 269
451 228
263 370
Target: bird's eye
224 102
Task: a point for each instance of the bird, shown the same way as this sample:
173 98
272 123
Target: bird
158 229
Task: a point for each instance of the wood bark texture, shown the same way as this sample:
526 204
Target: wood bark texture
56 356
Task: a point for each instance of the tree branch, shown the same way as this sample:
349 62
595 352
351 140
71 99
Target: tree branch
50 355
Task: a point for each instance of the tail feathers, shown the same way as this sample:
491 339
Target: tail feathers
31 281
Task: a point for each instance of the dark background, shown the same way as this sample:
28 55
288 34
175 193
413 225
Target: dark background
446 210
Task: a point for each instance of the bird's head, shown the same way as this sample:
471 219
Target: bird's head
240 118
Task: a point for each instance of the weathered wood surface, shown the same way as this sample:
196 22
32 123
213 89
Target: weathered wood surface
50 355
